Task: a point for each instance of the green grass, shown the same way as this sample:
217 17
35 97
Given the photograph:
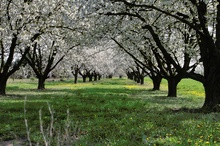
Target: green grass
112 112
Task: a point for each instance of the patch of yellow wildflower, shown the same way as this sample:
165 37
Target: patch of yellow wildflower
196 93
131 86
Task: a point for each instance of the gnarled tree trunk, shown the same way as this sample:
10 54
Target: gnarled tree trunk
156 82
210 57
75 78
142 80
41 83
75 74
212 87
90 77
172 86
138 80
95 76
99 77
3 82
84 78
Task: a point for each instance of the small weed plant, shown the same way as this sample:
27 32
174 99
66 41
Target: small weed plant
60 134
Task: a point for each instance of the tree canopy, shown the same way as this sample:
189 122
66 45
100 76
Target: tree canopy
167 39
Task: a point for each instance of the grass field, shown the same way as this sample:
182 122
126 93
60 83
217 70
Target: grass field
108 112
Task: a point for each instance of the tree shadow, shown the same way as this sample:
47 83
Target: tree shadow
188 110
196 110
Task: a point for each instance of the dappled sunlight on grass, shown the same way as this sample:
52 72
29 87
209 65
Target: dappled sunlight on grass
196 93
190 87
112 112
132 87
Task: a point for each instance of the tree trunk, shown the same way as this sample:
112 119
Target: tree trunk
172 86
75 78
156 82
211 62
76 75
3 86
212 89
142 80
84 79
90 77
95 77
41 83
130 75
138 79
99 77
135 78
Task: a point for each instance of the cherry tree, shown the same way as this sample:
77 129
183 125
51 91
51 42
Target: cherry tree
203 17
45 56
153 53
94 60
17 32
23 22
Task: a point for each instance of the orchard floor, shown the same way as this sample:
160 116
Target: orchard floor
114 112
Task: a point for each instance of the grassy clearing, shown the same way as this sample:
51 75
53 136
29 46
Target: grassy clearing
111 112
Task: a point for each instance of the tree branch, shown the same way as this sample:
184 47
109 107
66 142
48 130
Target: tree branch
176 16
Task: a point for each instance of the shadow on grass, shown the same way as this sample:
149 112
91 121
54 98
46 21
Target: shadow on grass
196 110
189 110
109 112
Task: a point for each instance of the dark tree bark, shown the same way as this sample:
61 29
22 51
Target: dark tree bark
75 72
90 77
137 77
130 75
156 82
142 80
95 76
212 93
3 82
210 57
75 78
172 86
138 80
83 75
99 77
140 73
110 76
84 78
212 79
41 82
89 74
